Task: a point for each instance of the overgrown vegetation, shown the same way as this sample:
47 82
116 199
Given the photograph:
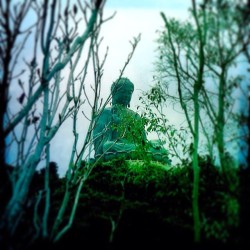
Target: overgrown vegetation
49 59
202 197
194 68
126 203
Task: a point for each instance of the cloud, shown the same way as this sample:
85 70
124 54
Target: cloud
148 4
129 21
117 33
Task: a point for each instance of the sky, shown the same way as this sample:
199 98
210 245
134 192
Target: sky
132 18
148 4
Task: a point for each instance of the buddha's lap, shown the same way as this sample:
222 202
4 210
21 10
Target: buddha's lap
113 146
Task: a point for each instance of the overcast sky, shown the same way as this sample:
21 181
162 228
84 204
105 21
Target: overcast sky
132 17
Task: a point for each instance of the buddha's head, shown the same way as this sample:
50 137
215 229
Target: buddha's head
121 91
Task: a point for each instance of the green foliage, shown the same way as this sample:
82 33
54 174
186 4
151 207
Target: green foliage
193 73
152 112
129 129
159 196
219 205
129 126
225 29
121 185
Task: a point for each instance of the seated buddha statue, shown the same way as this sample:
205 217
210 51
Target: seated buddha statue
119 131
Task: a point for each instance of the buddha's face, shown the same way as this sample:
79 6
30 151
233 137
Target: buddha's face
122 96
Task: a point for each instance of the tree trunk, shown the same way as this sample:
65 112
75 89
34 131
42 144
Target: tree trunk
221 120
4 86
196 170
248 138
15 205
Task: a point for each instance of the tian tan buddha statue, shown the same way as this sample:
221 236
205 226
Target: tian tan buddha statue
120 131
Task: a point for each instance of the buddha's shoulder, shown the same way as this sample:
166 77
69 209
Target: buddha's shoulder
133 113
105 112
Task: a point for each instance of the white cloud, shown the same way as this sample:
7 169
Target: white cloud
117 33
148 4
